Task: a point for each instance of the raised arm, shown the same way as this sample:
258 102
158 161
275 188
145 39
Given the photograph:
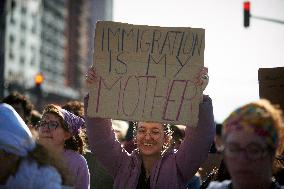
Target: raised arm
196 144
101 137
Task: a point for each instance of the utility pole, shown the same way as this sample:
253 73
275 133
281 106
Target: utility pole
2 45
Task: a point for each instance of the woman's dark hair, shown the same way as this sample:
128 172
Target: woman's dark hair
76 107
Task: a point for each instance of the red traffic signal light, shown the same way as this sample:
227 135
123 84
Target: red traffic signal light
246 13
39 79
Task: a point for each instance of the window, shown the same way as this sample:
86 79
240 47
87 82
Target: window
12 19
23 26
33 61
11 55
34 28
10 73
11 39
24 10
13 4
22 42
22 60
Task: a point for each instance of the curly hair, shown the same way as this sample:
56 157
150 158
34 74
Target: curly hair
76 107
17 98
75 142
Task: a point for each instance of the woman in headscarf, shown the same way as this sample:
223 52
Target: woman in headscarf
24 163
60 131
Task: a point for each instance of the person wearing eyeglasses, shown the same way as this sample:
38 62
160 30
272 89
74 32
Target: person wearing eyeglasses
153 164
251 135
59 131
24 163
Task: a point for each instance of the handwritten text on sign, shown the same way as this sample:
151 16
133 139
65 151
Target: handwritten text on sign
147 73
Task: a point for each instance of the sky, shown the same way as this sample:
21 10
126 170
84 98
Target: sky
233 54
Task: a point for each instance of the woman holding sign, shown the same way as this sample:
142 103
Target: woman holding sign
152 164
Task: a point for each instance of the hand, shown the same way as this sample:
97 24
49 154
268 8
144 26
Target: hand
203 78
91 76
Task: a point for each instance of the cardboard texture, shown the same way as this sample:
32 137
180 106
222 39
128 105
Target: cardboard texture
271 85
147 73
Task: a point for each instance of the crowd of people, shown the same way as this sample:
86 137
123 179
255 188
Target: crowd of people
63 147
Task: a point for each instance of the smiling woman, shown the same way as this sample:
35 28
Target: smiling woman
152 140
153 164
152 134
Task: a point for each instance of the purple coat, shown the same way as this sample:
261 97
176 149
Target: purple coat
78 169
174 168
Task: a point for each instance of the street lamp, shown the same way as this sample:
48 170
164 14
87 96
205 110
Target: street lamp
38 79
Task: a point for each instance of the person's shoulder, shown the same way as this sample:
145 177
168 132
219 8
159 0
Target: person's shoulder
75 157
219 185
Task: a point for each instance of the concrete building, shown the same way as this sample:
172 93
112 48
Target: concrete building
22 42
81 19
52 37
77 31
53 42
2 45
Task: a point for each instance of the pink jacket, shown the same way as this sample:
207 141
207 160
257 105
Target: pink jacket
174 168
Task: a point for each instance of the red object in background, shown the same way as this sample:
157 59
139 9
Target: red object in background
247 6
246 13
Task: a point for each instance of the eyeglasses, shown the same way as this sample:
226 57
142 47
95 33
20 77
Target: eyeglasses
51 125
154 133
253 151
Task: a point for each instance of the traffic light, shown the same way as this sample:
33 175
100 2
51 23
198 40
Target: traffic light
39 79
246 13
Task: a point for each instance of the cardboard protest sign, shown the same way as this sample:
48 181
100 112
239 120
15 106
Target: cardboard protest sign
147 73
271 85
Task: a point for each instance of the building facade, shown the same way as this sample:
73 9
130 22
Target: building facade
54 38
22 42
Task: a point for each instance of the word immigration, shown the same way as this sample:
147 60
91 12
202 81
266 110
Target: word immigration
147 73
